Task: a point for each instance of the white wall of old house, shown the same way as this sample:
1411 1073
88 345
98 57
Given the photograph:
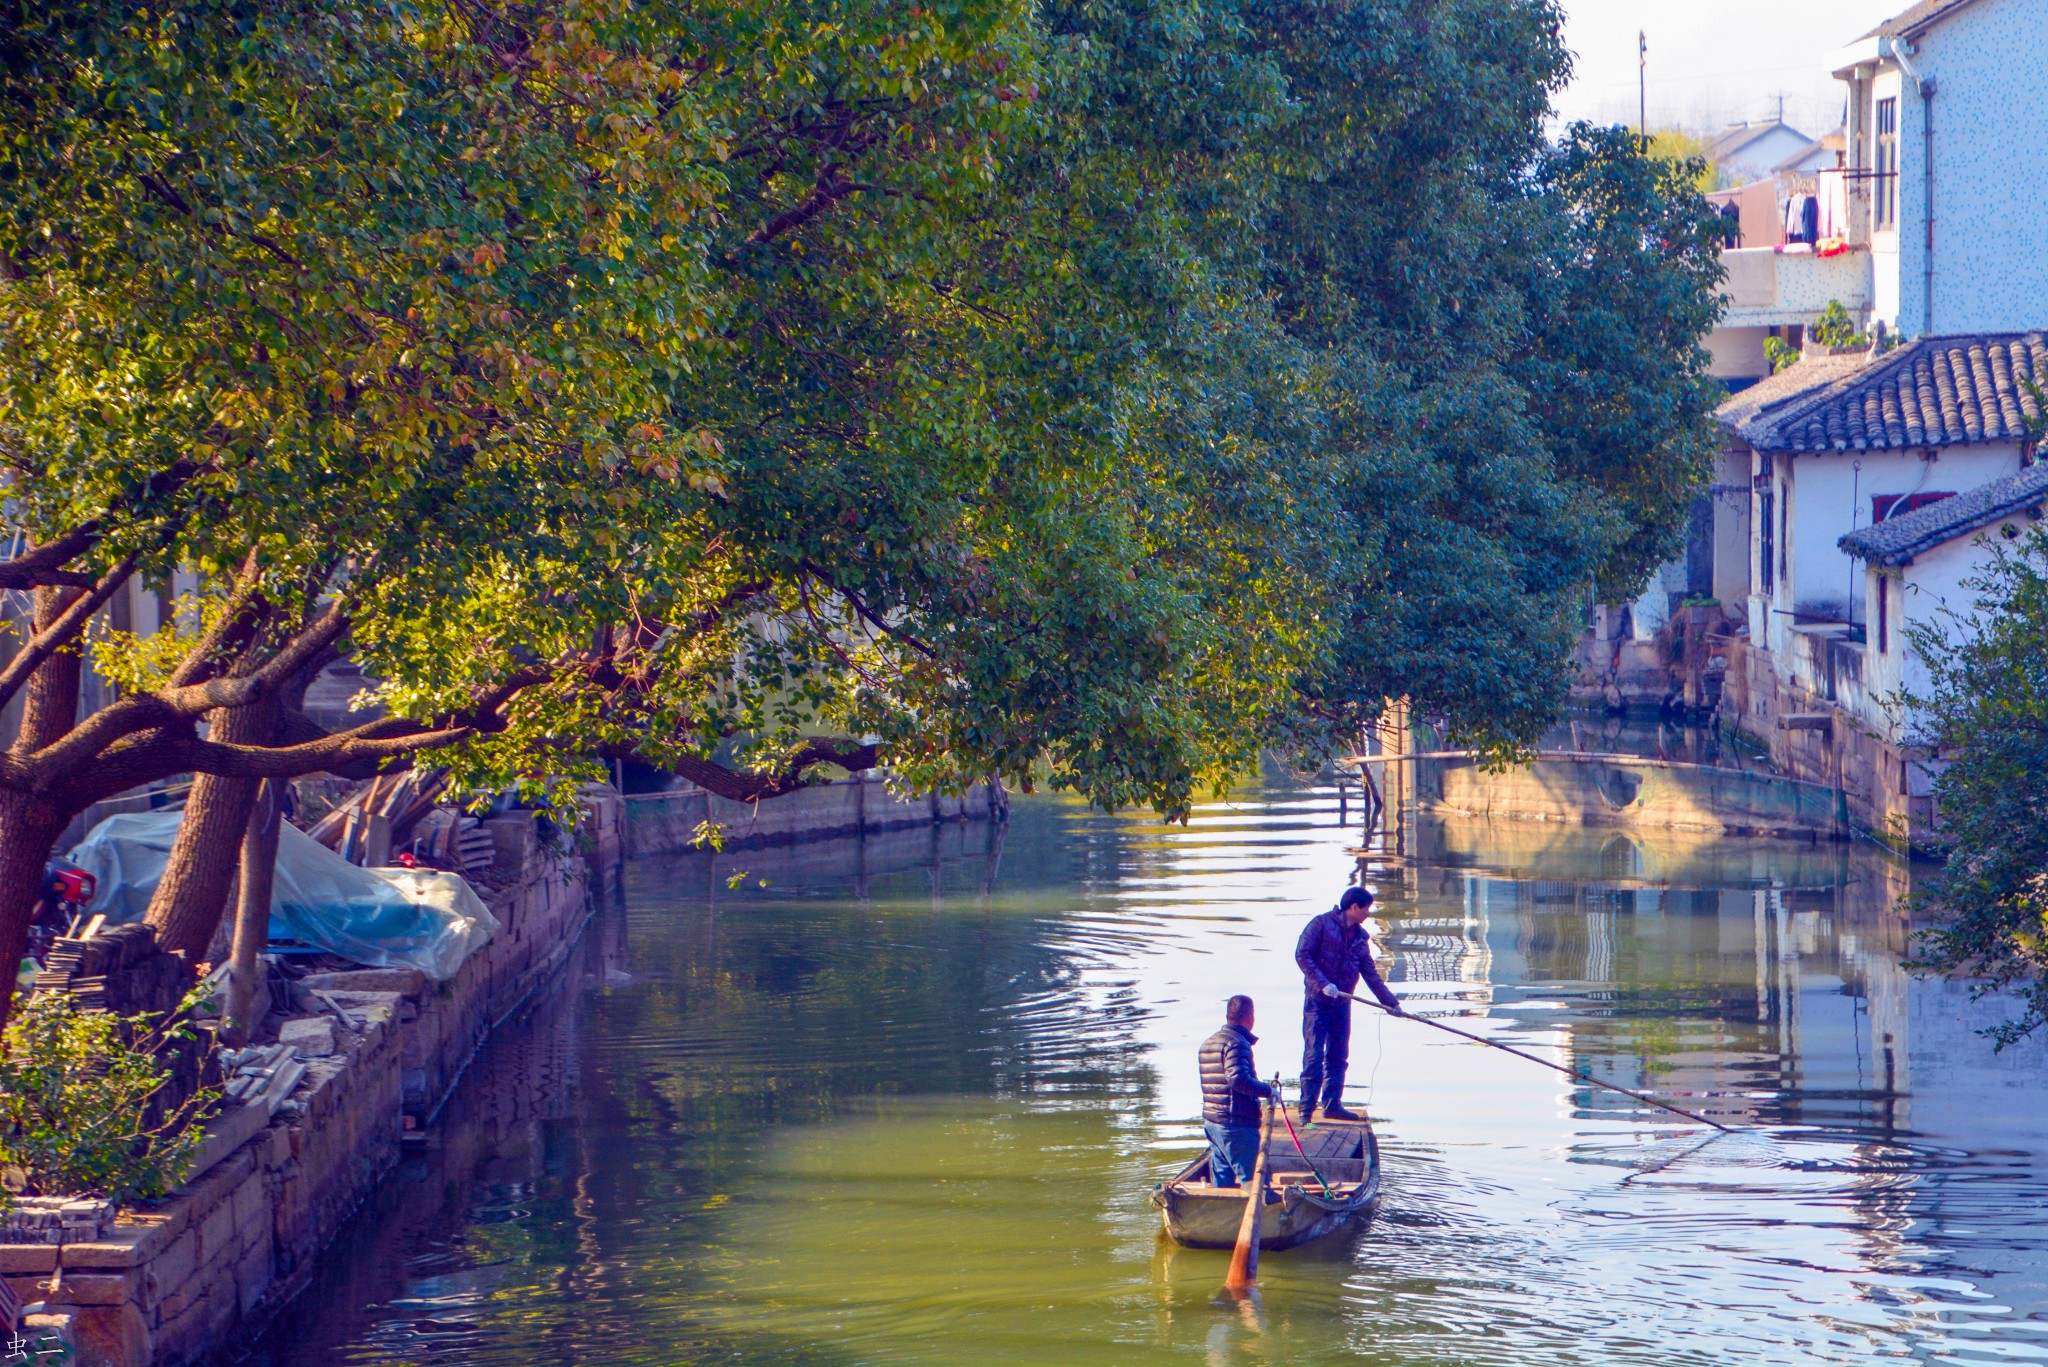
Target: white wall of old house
1884 653
1763 541
1732 503
1827 496
1990 155
1934 593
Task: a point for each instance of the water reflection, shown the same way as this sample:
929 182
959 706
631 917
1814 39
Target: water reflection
903 1105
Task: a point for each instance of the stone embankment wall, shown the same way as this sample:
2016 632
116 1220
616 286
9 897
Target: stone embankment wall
170 1285
660 823
1646 793
1884 790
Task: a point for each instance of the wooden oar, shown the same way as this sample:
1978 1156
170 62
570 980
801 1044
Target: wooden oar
1553 1067
1244 1259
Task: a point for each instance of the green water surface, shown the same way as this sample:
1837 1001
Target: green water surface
905 1105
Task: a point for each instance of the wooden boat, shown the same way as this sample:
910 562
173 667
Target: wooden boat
1297 1209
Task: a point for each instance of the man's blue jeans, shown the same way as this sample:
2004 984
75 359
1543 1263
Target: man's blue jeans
1233 1153
1325 1049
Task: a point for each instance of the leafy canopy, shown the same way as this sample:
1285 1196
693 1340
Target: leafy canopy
1099 391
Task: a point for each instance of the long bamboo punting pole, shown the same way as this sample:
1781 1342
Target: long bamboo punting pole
1546 1063
1244 1259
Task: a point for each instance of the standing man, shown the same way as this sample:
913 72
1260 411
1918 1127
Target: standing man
1231 1093
1333 953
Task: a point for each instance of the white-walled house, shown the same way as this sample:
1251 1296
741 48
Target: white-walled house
1749 151
1857 440
1948 154
1871 476
1945 160
1917 572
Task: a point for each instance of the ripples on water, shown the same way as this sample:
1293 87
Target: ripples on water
904 1105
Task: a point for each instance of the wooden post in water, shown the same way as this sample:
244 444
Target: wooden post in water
1398 780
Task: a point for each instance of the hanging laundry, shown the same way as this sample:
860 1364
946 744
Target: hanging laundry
1834 203
1802 218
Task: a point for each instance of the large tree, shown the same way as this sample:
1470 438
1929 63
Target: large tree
1088 393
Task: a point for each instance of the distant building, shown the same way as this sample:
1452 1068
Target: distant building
1752 151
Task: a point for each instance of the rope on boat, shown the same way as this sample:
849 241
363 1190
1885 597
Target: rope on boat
1327 1193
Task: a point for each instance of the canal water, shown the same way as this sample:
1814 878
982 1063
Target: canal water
903 1101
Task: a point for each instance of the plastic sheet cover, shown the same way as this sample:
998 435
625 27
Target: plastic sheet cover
383 918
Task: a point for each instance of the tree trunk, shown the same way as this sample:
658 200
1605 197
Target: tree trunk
29 829
50 702
188 903
252 912
29 824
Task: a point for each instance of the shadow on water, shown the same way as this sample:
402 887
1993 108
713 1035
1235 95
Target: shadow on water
901 1101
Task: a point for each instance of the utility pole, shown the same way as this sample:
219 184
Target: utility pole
1643 86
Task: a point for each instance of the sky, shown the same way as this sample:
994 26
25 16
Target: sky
1713 63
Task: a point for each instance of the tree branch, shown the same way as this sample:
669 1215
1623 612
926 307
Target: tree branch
40 567
243 689
739 785
61 632
292 761
234 625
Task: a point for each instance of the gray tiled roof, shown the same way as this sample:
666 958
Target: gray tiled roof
1924 15
1800 379
1896 540
1933 391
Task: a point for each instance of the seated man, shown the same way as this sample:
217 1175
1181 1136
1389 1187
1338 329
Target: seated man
1231 1092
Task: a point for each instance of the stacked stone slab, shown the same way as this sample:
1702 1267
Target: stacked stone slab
122 970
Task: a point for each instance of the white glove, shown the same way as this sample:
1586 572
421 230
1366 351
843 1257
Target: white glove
1330 990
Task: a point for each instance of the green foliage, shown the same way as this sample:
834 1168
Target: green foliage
1085 393
74 1088
1985 708
1688 153
1834 328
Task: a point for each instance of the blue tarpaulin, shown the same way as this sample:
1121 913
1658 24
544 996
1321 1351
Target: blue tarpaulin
385 918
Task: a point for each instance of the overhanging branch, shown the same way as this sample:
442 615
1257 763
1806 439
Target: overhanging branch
743 785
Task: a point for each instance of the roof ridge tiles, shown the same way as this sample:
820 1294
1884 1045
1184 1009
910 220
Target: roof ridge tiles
1957 389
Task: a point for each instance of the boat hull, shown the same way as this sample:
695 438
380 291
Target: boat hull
1297 1210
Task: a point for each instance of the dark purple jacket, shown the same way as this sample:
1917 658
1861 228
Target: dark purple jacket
1331 950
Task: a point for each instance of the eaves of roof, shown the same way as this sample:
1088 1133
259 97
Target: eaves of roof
1898 540
1913 22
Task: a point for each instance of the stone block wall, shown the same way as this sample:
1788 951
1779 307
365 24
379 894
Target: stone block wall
1814 739
659 823
168 1286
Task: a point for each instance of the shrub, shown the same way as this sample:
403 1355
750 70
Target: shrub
76 1089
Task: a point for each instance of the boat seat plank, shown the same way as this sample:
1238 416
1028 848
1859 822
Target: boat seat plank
1320 1142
